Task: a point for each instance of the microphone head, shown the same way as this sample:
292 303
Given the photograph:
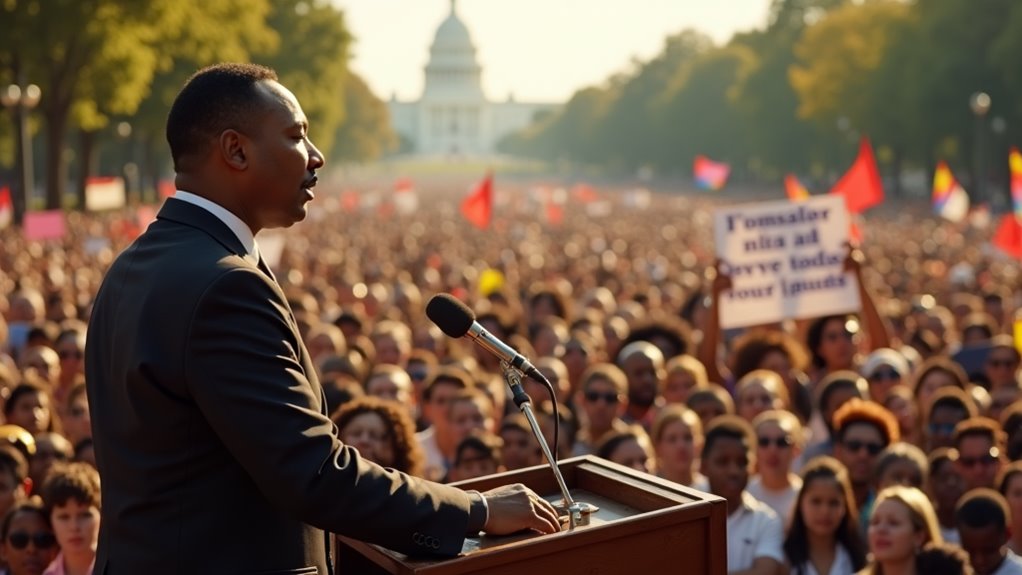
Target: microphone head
453 317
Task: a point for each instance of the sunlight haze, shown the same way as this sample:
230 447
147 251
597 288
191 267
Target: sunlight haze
539 50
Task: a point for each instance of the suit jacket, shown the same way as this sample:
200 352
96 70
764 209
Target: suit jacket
210 426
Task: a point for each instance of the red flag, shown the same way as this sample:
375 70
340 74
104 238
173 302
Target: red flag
350 201
554 213
6 207
478 206
861 184
1008 237
584 193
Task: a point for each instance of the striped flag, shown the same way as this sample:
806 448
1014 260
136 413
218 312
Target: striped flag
949 199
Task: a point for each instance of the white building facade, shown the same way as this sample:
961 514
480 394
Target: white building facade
453 116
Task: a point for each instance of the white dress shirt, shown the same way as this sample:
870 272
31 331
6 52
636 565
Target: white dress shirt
753 531
240 228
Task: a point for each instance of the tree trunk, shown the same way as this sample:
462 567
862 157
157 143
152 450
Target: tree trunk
86 163
56 167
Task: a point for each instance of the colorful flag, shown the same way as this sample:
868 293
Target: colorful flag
796 191
710 175
949 199
1008 237
1015 164
6 208
861 185
478 206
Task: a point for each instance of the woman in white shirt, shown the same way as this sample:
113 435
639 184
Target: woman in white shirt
824 535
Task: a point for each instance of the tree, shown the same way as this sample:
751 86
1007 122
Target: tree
698 115
216 31
312 60
365 134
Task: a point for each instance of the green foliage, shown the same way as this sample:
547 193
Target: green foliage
365 134
100 62
795 96
312 60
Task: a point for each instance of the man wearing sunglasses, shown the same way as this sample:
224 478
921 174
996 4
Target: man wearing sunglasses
884 369
604 398
862 429
978 448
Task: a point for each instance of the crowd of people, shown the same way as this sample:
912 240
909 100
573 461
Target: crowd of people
886 441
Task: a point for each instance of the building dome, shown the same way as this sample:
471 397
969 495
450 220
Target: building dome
453 70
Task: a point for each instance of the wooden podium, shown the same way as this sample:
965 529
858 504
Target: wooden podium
644 525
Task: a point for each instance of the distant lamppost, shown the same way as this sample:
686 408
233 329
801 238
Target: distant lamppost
980 104
21 100
129 170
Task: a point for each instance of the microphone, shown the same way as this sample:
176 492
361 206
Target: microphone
456 320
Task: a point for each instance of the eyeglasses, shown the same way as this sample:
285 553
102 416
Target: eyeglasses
856 446
888 374
594 396
986 459
69 354
20 540
779 442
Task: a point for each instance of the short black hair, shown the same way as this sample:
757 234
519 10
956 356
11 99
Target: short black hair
13 461
214 99
729 427
486 444
981 508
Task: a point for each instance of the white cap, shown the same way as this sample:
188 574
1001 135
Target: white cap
885 356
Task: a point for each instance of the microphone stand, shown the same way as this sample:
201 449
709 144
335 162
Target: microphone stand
578 511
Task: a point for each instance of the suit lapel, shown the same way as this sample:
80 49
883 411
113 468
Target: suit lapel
194 216
191 215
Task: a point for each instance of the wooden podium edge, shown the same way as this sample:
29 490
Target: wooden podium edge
660 502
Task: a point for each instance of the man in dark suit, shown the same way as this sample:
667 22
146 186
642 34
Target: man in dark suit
210 429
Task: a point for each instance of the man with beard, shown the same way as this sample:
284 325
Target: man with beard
862 429
643 365
754 531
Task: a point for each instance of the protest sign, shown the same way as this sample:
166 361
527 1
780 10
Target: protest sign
785 260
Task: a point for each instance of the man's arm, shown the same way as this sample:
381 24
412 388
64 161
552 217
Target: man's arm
244 371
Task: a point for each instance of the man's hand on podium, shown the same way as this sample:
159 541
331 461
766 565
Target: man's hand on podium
515 507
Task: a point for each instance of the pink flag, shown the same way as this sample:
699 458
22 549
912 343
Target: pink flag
48 225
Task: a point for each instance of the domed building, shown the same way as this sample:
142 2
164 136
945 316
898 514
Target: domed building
453 116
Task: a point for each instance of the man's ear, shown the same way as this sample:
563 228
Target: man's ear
26 486
232 149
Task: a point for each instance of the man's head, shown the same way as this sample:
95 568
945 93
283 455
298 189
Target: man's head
445 383
982 521
978 446
728 457
477 455
950 407
239 138
643 364
604 395
862 429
